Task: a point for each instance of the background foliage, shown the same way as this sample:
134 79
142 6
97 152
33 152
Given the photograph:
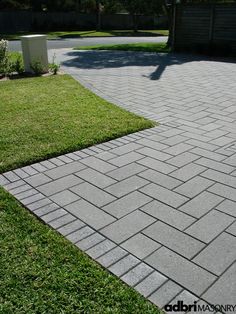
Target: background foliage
86 6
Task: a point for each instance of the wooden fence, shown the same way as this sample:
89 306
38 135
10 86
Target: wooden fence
205 26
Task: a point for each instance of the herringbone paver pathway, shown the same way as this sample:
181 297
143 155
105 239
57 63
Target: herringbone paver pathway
158 207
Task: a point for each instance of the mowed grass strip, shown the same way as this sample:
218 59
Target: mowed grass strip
42 272
145 47
48 116
90 33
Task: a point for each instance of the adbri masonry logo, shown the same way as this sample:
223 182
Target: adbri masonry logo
180 306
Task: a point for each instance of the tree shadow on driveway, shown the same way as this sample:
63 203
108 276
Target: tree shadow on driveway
98 59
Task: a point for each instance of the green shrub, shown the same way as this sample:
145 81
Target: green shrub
17 65
4 60
37 67
10 62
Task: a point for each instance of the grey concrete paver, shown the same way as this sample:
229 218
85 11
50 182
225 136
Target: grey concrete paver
38 179
223 290
168 214
209 226
21 173
31 199
112 256
174 239
218 255
71 227
157 165
187 298
61 221
90 214
45 209
232 229
126 159
93 194
224 191
201 204
188 172
165 293
215 165
98 164
21 189
126 186
96 178
25 194
100 249
149 152
90 241
126 171
124 265
140 245
59 185
39 204
59 212
80 234
194 186
183 159
164 197
150 283
64 170
160 178
126 204
64 198
137 274
181 270
127 226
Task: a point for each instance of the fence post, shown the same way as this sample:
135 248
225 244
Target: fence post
212 22
174 26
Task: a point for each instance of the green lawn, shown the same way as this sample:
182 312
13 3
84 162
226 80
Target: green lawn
92 33
41 272
146 47
48 116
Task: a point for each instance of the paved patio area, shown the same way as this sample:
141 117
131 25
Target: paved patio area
158 207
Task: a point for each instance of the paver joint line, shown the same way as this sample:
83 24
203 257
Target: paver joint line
156 207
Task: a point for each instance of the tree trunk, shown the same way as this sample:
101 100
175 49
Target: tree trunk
78 6
169 11
135 22
98 9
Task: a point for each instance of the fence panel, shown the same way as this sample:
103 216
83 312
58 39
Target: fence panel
205 25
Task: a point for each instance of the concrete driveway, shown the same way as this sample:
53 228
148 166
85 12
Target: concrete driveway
15 45
158 207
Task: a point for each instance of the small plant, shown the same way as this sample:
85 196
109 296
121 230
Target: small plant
18 65
3 49
37 67
10 62
15 63
4 59
54 67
